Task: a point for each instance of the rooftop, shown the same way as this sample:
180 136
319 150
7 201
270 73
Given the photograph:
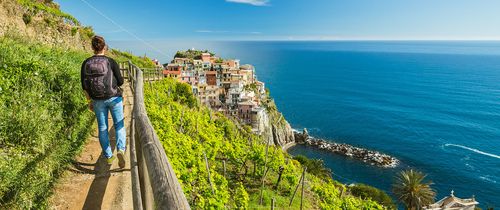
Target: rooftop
247 103
246 67
451 202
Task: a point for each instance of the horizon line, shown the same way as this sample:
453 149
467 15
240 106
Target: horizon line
291 40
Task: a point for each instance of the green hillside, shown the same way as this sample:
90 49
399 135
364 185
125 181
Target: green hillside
44 118
189 130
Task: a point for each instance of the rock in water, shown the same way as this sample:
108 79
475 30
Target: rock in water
365 155
301 138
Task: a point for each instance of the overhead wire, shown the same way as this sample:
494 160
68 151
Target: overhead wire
123 28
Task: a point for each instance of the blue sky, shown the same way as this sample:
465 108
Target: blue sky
290 19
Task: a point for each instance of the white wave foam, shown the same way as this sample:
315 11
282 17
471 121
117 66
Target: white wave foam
473 150
487 179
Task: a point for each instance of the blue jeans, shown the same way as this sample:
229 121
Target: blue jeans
101 109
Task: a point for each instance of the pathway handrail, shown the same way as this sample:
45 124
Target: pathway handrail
159 186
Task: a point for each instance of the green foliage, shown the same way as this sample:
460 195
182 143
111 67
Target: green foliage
43 119
176 124
27 18
50 8
184 95
314 166
187 130
369 192
53 17
87 32
191 54
241 197
411 190
219 60
142 62
251 87
332 196
74 30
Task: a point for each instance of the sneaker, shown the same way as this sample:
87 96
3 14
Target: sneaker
121 158
110 160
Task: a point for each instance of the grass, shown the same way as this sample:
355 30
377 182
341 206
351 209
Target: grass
44 118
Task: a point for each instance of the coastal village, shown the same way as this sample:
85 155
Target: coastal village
224 85
231 88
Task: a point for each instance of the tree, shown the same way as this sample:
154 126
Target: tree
219 60
411 190
366 191
315 166
184 95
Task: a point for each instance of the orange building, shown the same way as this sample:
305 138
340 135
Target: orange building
211 77
173 71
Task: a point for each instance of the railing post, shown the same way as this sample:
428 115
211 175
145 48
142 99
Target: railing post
156 172
134 167
131 77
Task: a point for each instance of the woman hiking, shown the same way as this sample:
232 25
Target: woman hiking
101 81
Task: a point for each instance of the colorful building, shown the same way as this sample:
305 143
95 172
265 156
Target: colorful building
224 85
245 111
211 78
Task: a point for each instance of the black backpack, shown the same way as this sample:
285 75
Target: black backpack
98 78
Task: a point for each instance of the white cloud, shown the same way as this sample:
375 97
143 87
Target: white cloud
251 2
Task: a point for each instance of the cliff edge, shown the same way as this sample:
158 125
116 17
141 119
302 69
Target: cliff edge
277 129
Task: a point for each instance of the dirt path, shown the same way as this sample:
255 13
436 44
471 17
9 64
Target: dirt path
89 183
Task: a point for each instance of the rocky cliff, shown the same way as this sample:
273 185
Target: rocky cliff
44 22
277 129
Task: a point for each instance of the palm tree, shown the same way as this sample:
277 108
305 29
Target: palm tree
410 189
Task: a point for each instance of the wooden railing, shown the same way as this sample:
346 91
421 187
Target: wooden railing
154 184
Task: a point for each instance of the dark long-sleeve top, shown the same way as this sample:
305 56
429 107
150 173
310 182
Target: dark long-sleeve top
114 67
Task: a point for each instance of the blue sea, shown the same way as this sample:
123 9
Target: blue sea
434 105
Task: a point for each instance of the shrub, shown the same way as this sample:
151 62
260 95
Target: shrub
315 166
26 18
192 54
219 60
184 94
74 30
141 62
369 192
50 8
241 197
87 32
